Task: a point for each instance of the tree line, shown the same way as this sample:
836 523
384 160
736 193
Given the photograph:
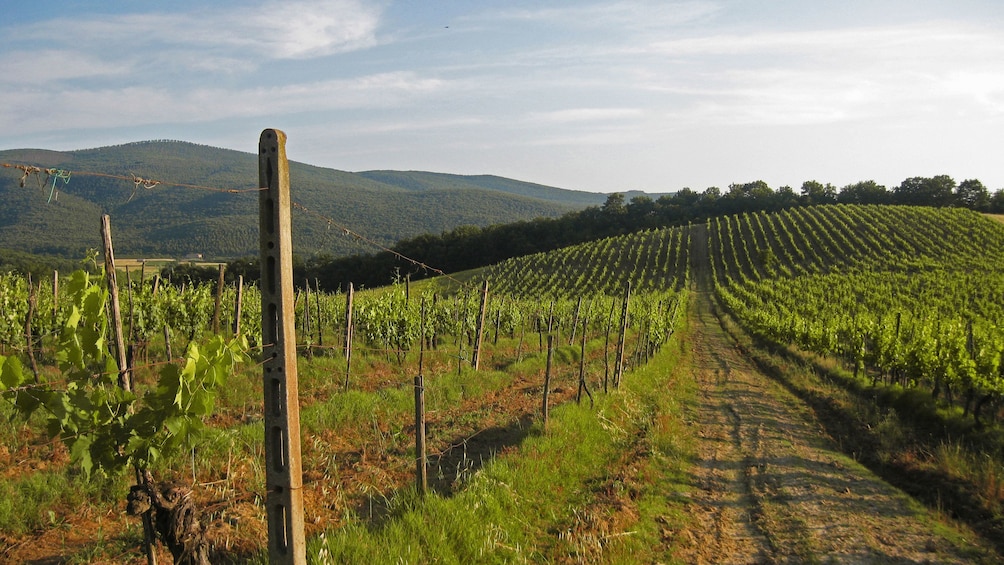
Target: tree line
469 247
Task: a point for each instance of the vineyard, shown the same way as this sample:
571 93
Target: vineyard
905 295
559 398
483 356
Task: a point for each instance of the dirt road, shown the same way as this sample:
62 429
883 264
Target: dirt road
772 488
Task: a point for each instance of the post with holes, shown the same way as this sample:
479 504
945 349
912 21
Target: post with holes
283 474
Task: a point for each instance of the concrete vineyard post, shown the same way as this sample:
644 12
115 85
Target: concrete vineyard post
283 472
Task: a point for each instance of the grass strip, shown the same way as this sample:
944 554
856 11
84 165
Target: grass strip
600 483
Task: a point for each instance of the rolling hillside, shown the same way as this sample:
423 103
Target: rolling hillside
385 206
765 247
881 321
699 426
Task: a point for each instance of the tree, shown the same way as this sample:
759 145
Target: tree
925 191
614 204
864 192
641 211
686 196
973 195
997 202
785 197
815 192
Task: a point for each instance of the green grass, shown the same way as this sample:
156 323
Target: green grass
43 498
536 504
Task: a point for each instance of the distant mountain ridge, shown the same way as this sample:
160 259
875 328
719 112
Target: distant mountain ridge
50 217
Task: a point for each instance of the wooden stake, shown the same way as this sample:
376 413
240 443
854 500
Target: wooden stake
348 335
547 377
421 462
421 473
582 367
238 305
125 379
606 346
55 296
219 301
32 303
167 343
283 465
575 320
317 302
619 361
476 356
130 349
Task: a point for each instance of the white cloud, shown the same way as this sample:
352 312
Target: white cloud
612 16
37 67
586 115
309 29
809 77
143 105
271 30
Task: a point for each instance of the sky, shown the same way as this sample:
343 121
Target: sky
598 96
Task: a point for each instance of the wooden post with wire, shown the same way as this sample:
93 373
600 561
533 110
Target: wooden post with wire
283 471
421 458
480 330
238 305
219 299
125 378
348 336
621 339
545 408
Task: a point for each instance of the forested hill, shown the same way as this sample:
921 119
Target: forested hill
60 216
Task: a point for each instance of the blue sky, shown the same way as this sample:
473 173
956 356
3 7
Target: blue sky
599 96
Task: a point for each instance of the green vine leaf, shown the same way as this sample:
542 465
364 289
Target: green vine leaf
105 427
11 372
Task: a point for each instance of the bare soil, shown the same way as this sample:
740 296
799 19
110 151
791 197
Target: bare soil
772 487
